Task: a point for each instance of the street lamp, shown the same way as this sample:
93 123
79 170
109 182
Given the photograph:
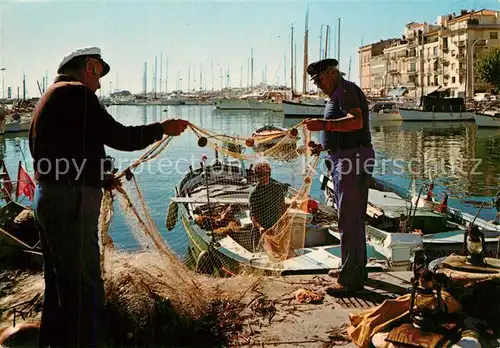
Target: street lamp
472 62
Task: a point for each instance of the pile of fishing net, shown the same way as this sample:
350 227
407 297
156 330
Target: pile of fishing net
153 296
148 305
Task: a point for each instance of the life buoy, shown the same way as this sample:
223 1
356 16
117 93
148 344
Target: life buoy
172 213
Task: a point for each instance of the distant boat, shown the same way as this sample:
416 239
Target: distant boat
294 109
487 119
436 108
385 111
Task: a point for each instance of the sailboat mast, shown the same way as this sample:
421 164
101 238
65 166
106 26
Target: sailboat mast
321 43
326 40
161 73
349 72
189 78
306 51
338 43
284 71
213 84
201 76
24 86
155 76
251 68
145 79
166 76
291 55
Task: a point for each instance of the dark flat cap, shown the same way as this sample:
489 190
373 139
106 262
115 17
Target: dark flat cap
320 66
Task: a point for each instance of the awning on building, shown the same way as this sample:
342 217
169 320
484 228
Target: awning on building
431 89
397 92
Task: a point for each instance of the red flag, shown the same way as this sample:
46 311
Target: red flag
25 184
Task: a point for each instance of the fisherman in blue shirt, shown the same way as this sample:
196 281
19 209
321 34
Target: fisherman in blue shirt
346 136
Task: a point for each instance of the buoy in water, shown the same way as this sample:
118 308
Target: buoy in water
171 221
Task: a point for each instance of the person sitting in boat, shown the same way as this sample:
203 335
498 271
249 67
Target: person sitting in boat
267 199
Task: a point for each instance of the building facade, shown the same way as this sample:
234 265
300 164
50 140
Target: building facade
431 57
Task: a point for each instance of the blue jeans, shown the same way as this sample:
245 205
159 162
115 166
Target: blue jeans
73 307
351 171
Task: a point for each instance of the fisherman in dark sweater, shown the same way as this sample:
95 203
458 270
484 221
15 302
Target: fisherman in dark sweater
67 137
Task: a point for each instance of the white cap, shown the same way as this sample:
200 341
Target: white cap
94 52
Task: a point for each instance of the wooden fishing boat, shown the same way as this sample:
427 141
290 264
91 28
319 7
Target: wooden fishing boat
19 238
213 204
396 224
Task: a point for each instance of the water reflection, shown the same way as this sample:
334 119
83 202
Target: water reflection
450 151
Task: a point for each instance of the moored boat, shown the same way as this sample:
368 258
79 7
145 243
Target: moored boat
19 239
397 224
213 205
293 109
435 108
487 119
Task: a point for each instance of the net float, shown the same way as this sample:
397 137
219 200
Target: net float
202 142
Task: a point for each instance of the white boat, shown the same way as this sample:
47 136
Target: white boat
265 105
420 115
301 109
19 123
232 104
487 119
396 227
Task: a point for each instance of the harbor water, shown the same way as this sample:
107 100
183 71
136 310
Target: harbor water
463 161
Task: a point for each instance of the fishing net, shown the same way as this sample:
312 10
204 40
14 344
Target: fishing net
238 219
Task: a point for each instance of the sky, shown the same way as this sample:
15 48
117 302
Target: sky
36 35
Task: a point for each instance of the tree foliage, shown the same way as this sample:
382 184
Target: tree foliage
487 66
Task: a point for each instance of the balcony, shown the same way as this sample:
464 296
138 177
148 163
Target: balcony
445 49
393 71
483 26
446 63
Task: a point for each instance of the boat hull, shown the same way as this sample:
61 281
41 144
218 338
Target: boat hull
14 127
232 104
385 116
265 105
295 109
483 120
419 115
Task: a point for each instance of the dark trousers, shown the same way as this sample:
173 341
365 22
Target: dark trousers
73 306
351 171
